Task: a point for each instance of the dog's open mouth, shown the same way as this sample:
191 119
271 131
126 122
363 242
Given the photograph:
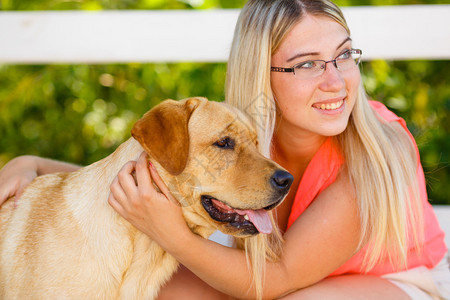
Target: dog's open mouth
252 221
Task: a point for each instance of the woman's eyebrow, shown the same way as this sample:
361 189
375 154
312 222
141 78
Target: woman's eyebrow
301 55
316 53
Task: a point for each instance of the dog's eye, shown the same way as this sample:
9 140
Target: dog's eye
225 143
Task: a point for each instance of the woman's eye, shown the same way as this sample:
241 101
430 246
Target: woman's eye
306 65
225 143
345 55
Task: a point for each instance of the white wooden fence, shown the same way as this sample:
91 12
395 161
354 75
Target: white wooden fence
47 37
388 32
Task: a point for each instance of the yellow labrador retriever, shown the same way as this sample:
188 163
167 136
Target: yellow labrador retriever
64 241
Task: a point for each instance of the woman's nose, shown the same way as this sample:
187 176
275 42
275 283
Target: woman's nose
332 79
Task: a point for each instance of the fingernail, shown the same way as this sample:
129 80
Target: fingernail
150 164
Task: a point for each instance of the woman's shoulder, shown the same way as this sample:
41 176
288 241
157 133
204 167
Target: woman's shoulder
398 124
384 112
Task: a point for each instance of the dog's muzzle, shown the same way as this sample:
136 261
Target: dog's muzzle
249 221
243 220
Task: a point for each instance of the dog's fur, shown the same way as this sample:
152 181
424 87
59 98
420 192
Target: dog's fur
64 241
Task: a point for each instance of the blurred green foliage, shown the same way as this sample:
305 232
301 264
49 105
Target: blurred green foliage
81 113
419 92
170 4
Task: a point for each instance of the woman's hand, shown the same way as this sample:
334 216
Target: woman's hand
155 213
20 171
16 175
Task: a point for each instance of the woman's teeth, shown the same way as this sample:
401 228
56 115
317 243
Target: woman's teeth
330 106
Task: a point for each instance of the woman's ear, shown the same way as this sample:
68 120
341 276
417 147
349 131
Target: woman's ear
163 133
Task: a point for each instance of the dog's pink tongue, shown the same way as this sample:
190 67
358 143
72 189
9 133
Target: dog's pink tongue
260 218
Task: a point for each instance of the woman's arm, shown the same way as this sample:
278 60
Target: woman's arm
20 171
323 238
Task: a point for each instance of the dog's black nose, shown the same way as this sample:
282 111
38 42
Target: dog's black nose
282 180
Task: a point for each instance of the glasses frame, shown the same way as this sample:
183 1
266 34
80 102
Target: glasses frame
292 69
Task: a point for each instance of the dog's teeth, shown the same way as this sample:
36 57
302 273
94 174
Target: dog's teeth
246 217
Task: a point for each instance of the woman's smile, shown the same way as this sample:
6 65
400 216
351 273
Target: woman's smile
330 107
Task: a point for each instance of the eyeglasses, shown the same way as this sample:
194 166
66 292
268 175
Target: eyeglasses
314 68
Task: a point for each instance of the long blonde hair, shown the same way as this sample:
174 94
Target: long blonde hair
382 171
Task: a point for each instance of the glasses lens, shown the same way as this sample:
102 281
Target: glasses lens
309 69
348 60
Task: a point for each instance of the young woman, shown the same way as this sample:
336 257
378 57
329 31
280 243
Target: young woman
356 223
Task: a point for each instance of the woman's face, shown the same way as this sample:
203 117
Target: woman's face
320 105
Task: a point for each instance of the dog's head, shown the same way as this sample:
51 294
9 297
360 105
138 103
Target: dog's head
210 161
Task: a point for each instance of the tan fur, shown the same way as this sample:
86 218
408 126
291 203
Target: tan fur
64 241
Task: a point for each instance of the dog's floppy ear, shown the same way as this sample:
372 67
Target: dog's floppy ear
163 133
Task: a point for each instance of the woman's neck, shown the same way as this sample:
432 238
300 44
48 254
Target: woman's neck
294 151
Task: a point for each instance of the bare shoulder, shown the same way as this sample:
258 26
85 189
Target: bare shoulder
337 201
343 185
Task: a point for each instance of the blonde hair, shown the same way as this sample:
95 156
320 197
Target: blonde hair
382 171
258 250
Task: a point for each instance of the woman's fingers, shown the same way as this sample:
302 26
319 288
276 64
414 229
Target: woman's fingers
22 185
116 204
126 179
7 190
144 179
14 177
20 189
117 190
129 195
146 174
161 184
123 196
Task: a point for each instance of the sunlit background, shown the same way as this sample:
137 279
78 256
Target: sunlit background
81 113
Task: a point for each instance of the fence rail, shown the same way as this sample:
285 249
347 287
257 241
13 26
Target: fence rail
46 37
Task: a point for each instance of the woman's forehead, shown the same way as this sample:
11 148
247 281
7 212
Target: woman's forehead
313 35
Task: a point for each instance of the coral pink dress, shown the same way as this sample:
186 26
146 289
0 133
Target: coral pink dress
322 171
